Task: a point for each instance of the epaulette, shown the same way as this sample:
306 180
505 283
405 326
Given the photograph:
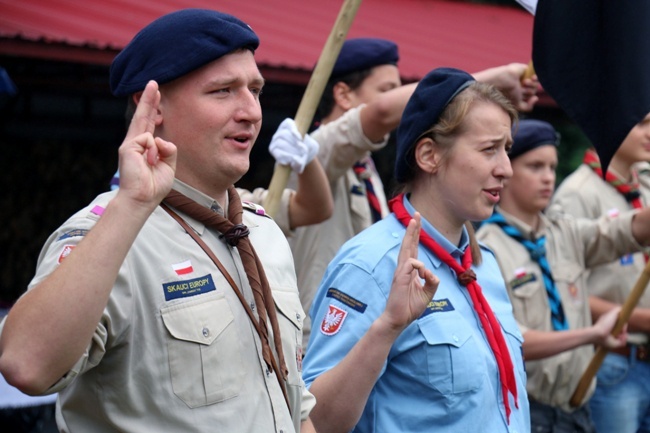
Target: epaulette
254 207
95 212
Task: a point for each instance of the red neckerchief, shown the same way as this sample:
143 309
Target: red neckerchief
629 190
467 278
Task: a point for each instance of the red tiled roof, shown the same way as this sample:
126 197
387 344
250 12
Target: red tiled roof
430 33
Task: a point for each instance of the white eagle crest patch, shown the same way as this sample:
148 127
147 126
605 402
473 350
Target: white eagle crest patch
333 320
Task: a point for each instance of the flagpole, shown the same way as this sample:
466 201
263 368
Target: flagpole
312 96
623 317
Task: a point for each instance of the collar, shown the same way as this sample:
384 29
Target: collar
200 198
455 251
526 231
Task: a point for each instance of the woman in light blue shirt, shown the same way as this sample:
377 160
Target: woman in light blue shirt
386 357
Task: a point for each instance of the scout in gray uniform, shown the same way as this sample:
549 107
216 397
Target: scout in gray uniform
362 103
621 401
543 260
180 316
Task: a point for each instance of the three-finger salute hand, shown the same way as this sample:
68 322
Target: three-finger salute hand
413 284
147 163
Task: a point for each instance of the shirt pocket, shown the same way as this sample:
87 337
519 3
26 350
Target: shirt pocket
530 302
569 281
290 320
204 350
453 359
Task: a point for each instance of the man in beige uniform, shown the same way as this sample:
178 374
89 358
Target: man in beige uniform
362 103
621 402
542 260
129 315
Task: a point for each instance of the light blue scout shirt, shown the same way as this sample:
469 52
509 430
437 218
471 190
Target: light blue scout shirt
441 374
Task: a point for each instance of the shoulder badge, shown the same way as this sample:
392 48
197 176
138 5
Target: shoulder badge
333 320
255 208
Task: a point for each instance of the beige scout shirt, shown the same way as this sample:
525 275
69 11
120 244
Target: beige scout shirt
174 350
585 194
281 218
571 246
342 143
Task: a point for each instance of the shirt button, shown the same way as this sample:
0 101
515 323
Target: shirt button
268 372
455 338
252 305
206 332
298 316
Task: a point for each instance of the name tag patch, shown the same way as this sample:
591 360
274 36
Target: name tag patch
438 306
346 300
73 234
521 280
357 190
186 288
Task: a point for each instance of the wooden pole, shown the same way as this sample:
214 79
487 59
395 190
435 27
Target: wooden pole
529 72
623 317
312 96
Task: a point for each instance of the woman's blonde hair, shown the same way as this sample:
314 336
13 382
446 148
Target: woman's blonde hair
449 126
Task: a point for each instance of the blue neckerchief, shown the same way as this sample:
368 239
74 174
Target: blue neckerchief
537 251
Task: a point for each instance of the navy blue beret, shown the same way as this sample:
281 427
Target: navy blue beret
176 44
430 98
360 54
530 134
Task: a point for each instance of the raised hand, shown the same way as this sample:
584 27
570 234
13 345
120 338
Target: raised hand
522 92
408 295
289 147
147 163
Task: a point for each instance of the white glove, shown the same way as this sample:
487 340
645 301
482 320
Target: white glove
288 148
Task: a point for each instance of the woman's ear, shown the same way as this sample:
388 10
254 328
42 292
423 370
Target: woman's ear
342 96
427 155
159 118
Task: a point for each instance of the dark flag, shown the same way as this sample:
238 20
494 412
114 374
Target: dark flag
593 59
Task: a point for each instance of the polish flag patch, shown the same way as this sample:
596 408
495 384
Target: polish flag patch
67 249
520 272
333 320
183 268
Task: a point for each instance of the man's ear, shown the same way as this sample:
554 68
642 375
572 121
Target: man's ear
159 118
427 155
342 96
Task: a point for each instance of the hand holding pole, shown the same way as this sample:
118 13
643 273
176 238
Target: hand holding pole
312 96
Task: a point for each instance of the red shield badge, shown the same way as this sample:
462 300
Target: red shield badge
333 320
67 249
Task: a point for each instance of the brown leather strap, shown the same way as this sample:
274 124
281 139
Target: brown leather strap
239 294
236 234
